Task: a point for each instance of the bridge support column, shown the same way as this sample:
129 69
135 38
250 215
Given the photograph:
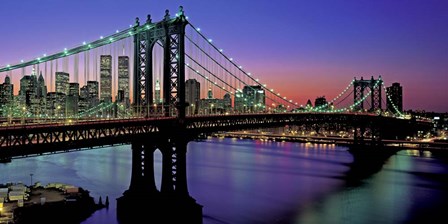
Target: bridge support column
174 167
172 204
167 168
181 175
142 176
358 135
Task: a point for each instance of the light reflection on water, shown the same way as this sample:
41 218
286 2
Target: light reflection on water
246 181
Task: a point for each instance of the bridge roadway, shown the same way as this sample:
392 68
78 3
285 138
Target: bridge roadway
38 139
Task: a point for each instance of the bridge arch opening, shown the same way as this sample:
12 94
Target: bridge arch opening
157 52
158 168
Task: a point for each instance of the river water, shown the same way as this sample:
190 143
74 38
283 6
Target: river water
253 181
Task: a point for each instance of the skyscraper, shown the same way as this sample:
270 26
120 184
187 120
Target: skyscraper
56 104
395 92
123 78
106 78
62 82
28 97
192 95
41 87
84 102
157 99
6 97
92 87
72 99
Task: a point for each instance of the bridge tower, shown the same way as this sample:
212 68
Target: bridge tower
172 203
171 33
374 85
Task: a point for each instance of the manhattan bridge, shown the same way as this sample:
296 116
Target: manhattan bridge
143 86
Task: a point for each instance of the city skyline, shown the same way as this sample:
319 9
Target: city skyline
402 42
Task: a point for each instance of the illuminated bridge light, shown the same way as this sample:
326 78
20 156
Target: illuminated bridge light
198 29
21 61
45 55
83 43
116 31
210 40
231 59
101 37
221 50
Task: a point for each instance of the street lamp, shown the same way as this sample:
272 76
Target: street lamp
155 110
23 114
57 112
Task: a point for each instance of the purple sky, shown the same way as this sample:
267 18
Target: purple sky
304 49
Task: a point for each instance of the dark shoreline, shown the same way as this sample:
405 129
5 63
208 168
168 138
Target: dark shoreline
67 211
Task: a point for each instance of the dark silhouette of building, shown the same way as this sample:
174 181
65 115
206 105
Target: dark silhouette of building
395 93
321 102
